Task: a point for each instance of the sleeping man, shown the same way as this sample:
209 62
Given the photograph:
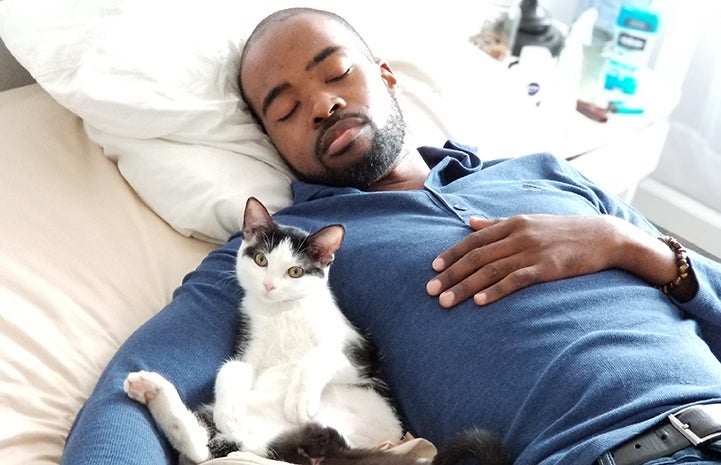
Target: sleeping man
512 295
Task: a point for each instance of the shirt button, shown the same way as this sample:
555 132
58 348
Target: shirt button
460 208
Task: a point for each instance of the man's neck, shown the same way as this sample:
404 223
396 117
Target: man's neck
409 174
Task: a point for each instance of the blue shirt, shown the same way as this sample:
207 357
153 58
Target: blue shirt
564 370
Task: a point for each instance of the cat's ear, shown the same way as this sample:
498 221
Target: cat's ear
255 219
324 243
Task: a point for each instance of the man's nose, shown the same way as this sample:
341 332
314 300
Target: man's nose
324 107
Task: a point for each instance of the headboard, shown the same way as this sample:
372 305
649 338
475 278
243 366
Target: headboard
12 74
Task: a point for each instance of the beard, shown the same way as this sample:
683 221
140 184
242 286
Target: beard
383 154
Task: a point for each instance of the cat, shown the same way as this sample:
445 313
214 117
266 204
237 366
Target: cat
303 386
297 358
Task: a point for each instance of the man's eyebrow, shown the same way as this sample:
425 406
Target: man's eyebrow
322 55
280 88
273 94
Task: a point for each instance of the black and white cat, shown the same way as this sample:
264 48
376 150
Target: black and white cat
298 359
303 385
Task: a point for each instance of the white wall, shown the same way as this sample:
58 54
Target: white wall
562 10
684 193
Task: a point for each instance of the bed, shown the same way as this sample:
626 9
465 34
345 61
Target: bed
126 158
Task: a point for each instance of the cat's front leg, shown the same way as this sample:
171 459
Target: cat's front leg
179 424
322 365
302 401
232 385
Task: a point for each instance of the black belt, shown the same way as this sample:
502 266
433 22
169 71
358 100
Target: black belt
692 426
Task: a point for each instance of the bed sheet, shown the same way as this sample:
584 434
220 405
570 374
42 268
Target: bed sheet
83 263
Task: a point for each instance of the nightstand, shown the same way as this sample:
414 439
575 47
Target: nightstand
621 152
478 102
616 154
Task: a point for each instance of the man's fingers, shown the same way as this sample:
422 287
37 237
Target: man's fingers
505 274
470 242
471 262
515 281
478 223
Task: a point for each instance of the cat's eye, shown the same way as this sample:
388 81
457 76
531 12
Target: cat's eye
295 272
260 259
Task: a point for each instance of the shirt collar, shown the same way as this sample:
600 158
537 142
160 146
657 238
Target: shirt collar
447 164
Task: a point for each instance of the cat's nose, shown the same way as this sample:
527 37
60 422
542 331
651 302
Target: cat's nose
268 286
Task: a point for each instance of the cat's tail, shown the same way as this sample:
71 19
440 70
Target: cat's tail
478 445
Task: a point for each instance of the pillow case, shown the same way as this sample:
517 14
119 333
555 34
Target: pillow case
155 84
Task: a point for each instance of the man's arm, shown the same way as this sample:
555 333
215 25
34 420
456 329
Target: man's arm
502 256
186 342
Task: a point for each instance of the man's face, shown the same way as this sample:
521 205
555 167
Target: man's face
328 109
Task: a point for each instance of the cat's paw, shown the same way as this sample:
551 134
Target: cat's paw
301 404
232 386
222 446
309 444
144 386
230 420
321 441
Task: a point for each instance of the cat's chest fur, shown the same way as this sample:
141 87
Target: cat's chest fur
283 335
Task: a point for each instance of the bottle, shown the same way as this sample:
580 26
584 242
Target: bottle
499 25
562 103
636 31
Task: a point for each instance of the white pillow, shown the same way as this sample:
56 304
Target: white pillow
155 83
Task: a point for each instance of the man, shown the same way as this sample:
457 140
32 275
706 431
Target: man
558 338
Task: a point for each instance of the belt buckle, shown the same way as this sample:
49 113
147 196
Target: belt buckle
688 433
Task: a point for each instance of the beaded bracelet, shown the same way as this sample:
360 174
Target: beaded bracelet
684 266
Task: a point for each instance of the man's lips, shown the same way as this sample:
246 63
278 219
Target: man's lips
341 135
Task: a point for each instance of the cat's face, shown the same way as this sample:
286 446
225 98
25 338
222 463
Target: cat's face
274 269
279 263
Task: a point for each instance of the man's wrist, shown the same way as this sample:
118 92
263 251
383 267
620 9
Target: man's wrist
684 286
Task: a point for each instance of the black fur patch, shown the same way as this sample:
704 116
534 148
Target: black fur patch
481 446
218 445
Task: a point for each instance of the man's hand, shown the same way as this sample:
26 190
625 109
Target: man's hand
504 255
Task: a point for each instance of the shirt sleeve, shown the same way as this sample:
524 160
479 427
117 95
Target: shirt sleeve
705 307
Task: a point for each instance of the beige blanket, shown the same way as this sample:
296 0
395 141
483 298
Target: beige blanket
83 262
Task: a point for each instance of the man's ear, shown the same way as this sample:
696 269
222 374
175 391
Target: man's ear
387 75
